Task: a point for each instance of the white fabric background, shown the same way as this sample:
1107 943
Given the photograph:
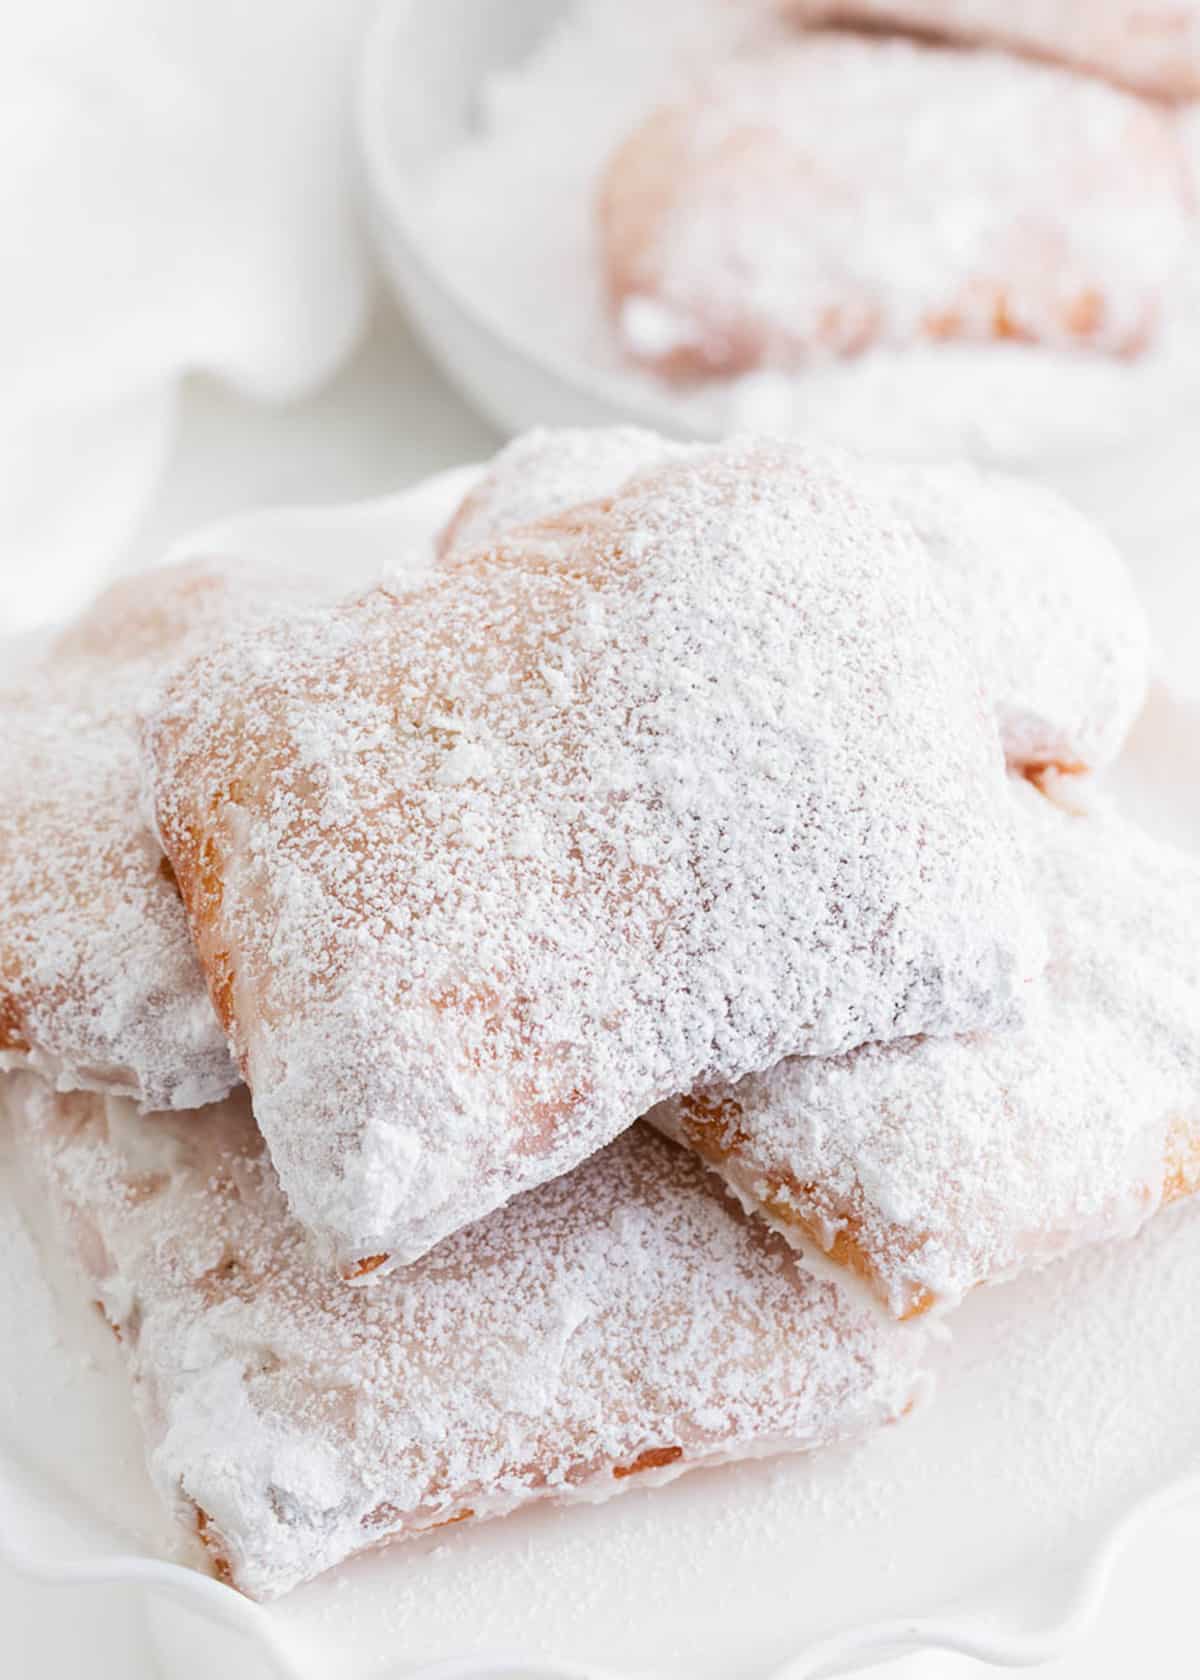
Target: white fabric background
175 194
177 198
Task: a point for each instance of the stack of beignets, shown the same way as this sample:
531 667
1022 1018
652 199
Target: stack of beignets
719 783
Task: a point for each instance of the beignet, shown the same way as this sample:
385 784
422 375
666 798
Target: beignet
844 191
664 787
1056 630
100 988
934 1165
620 1325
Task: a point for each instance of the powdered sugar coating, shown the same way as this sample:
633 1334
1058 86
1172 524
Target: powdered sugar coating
933 1166
1056 629
543 473
627 1318
1059 635
658 790
1152 46
840 192
100 987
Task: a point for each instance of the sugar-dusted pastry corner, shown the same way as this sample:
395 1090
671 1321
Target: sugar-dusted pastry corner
837 192
99 985
1056 632
621 1325
548 471
100 988
936 1165
660 787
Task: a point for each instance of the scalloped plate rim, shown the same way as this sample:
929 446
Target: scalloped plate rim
1081 1608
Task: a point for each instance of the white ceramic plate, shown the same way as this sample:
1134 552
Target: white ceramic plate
988 1523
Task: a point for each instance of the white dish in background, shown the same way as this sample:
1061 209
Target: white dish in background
988 1523
550 358
421 71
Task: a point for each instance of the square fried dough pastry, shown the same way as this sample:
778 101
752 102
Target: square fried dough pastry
665 786
845 191
1056 632
100 988
1152 46
618 1326
932 1166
